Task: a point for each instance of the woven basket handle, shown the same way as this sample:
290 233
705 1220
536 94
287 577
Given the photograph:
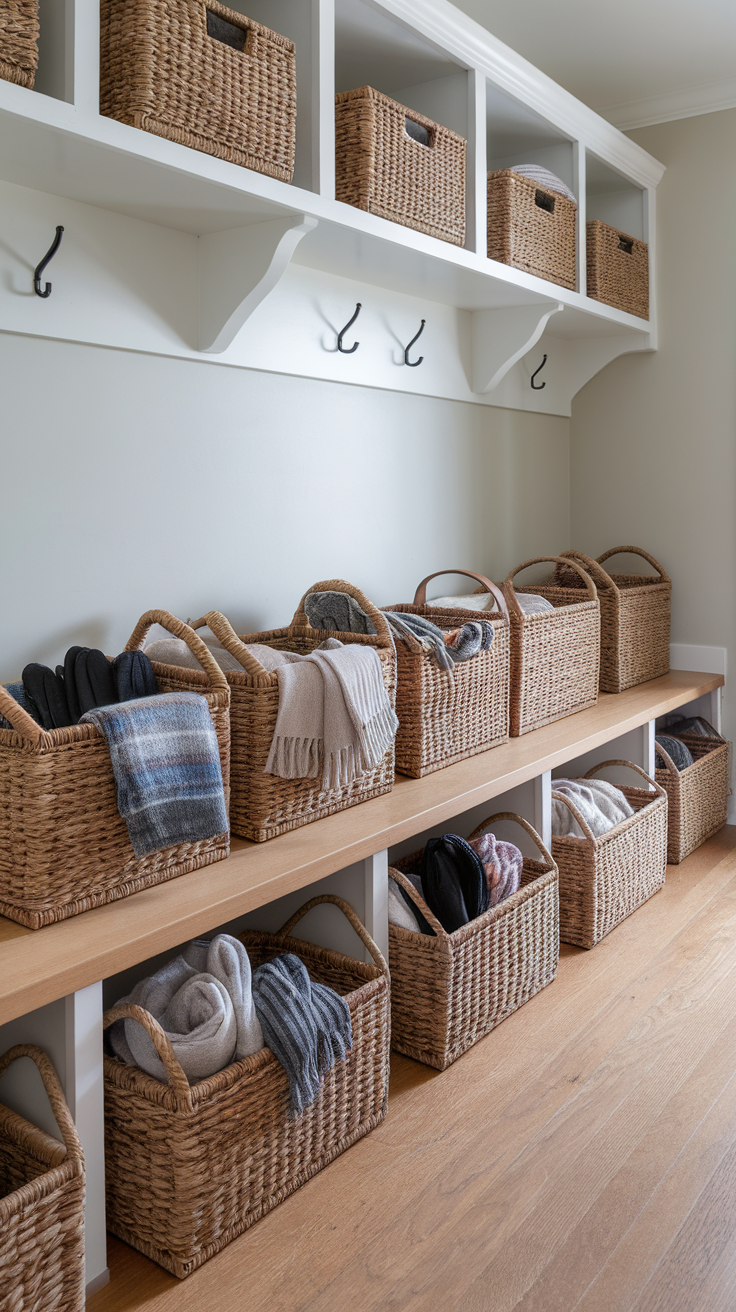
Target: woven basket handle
523 823
670 766
591 567
630 766
22 722
420 596
380 623
54 1092
418 901
162 1044
508 586
225 633
636 551
350 916
560 797
177 628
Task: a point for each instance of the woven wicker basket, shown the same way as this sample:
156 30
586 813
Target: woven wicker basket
635 618
19 31
262 805
617 269
201 74
697 795
41 1204
191 1167
445 718
449 991
380 168
602 880
531 227
555 655
63 846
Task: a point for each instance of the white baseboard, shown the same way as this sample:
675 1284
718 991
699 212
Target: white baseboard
99 1282
687 656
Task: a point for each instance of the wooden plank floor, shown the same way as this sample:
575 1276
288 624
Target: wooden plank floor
583 1156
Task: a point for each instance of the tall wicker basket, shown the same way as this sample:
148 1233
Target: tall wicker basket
19 31
555 655
382 169
602 880
262 805
635 618
41 1204
191 1167
449 991
531 227
63 846
203 75
617 268
446 717
697 795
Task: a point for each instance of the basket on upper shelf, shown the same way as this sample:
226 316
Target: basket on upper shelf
617 269
19 32
203 75
394 162
531 227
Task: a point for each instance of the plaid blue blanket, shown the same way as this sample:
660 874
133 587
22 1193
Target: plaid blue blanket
167 770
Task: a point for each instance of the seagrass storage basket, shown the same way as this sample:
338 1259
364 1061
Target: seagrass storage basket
19 31
697 796
263 805
450 990
555 654
635 617
63 845
191 1167
602 880
445 717
203 75
531 227
398 164
617 269
41 1204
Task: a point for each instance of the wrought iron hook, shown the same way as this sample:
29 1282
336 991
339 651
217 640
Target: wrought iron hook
348 350
413 363
537 387
53 248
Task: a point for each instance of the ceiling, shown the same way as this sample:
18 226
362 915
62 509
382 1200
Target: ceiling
635 61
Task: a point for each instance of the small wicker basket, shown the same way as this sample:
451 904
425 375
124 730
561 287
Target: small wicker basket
555 655
445 718
204 75
189 1168
697 795
602 880
382 169
449 991
617 269
41 1204
262 805
63 845
19 32
635 618
531 227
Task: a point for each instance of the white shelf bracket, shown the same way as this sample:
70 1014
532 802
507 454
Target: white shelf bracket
501 337
237 270
592 354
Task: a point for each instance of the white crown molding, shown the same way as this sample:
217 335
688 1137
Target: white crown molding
705 99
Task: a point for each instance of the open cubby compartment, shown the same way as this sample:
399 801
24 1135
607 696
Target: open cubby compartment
615 199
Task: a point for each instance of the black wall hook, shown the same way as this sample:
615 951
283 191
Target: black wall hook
537 387
348 350
413 363
53 248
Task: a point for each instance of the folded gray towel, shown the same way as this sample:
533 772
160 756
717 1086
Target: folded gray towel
601 805
447 648
680 755
543 178
532 604
174 651
469 639
337 611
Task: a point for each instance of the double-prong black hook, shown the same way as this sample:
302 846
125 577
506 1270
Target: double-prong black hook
413 363
348 350
537 387
53 248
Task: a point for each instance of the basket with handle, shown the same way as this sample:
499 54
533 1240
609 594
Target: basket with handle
263 805
63 845
555 654
697 796
450 990
42 1185
190 1167
604 879
19 31
635 617
444 717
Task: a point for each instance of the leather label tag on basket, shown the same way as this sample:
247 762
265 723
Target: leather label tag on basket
229 33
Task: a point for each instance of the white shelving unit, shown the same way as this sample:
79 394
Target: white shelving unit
172 251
